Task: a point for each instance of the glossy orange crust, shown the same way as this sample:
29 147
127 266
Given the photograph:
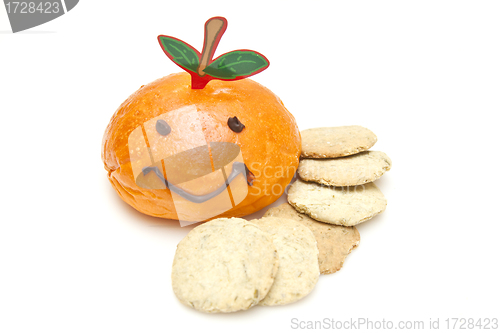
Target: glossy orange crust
270 142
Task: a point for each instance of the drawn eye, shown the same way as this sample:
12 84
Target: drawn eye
235 124
162 127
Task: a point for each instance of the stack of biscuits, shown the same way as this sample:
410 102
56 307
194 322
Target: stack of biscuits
335 189
230 264
336 174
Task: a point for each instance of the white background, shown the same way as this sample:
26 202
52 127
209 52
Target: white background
423 75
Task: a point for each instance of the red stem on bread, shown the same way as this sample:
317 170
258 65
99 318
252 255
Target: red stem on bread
230 66
214 29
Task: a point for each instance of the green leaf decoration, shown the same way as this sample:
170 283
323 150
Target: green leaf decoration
180 53
237 63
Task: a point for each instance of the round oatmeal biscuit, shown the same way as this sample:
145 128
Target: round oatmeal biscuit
335 242
357 169
224 265
347 206
329 142
298 270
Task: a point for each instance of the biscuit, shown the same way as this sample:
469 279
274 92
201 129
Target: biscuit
298 269
346 206
224 265
334 242
328 142
351 170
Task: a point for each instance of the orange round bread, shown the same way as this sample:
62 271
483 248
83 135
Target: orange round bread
269 145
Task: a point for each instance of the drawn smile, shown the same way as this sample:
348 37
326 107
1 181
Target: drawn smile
238 168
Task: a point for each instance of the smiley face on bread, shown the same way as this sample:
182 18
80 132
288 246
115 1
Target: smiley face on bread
212 175
228 148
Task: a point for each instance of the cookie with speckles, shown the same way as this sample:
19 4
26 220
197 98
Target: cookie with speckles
351 170
298 270
347 206
335 242
329 142
224 265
